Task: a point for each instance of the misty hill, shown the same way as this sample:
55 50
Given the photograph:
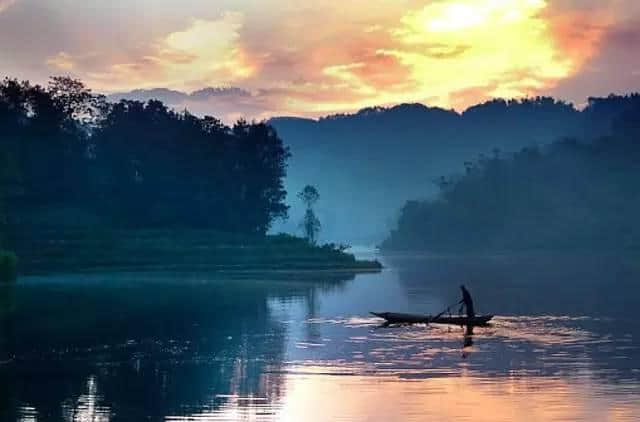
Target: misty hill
566 195
176 98
367 164
167 96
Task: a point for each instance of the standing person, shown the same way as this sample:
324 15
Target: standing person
467 301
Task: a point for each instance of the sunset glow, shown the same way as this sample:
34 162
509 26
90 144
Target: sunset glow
328 57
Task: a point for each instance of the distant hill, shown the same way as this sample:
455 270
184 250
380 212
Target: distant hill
176 98
165 95
369 163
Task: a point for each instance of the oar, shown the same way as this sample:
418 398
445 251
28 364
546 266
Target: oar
441 313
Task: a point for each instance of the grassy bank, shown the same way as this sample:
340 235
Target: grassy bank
52 250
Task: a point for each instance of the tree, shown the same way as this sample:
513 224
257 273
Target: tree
78 104
259 161
310 223
309 195
159 168
65 151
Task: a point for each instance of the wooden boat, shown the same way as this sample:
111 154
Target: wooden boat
397 318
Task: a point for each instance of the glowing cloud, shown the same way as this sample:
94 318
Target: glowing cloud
454 53
329 57
503 45
206 53
62 61
212 45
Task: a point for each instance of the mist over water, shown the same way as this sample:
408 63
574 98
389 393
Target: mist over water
563 345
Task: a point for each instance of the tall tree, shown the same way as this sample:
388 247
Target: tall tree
310 223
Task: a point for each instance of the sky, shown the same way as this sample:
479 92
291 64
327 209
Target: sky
317 58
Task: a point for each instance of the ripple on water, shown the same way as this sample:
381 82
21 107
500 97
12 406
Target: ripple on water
522 345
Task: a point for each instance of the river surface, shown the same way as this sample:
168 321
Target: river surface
564 345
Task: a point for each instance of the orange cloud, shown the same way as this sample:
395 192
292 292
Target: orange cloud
578 33
341 56
62 61
491 48
206 53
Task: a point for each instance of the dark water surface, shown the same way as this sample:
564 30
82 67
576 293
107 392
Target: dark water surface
564 346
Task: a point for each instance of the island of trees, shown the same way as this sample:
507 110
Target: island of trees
87 183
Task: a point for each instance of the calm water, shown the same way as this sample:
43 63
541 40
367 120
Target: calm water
564 346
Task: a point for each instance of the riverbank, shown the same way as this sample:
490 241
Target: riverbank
47 250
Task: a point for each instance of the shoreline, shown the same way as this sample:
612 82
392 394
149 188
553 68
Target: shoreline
88 250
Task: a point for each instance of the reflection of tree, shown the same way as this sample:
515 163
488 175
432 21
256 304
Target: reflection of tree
149 350
312 330
7 335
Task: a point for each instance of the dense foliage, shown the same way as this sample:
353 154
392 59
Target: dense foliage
568 195
70 157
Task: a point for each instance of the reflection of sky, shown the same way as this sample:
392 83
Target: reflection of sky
312 397
449 399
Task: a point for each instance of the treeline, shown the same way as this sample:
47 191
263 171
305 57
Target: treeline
571 194
67 156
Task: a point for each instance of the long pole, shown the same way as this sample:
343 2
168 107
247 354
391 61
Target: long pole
443 312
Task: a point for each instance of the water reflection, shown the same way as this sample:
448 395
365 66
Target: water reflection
87 407
468 339
315 395
143 346
448 399
535 345
130 347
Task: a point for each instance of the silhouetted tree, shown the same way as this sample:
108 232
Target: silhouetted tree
134 164
310 224
309 196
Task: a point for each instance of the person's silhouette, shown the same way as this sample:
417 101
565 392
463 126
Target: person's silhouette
467 302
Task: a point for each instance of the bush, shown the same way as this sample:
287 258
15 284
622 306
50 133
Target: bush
8 266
